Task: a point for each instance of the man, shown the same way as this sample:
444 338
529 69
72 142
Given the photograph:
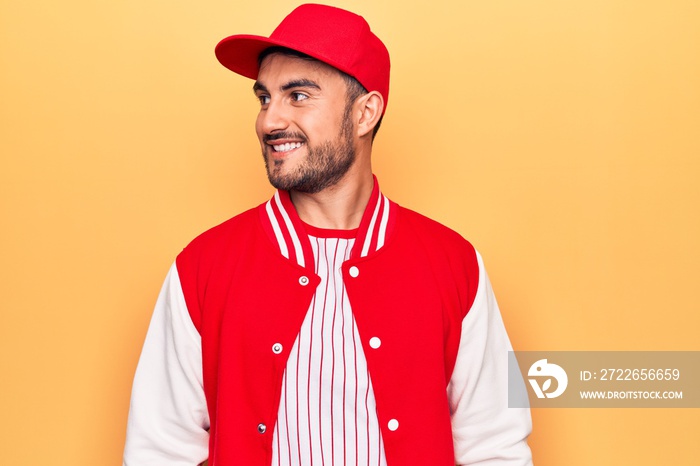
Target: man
328 325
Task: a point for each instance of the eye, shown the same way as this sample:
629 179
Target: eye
264 99
299 96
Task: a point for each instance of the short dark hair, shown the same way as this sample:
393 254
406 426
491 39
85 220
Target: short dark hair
354 88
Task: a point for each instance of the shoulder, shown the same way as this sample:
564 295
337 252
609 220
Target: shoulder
205 264
433 233
444 248
452 259
226 236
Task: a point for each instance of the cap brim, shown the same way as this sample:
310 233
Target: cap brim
240 53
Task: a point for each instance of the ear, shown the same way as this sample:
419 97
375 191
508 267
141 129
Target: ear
370 106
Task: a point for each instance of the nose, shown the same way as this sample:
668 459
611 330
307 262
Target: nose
274 117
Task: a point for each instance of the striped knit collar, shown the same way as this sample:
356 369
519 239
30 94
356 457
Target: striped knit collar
288 232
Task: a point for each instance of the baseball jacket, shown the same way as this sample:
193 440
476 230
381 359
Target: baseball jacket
434 341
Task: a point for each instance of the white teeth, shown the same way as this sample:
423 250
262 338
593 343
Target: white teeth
286 147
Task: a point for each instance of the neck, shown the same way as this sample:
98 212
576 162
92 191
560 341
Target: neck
339 207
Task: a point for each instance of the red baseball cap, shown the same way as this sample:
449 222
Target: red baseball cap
334 36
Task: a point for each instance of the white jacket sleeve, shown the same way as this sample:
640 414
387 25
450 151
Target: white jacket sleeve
486 431
168 420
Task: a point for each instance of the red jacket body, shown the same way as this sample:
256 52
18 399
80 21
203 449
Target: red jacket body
244 297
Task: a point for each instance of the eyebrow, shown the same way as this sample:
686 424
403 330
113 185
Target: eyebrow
300 83
258 86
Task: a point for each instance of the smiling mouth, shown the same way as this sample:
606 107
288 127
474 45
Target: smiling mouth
286 147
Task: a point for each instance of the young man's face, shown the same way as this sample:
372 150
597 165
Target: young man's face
304 124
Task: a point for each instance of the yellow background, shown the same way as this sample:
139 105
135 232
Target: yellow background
560 137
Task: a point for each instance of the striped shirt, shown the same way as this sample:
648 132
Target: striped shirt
327 414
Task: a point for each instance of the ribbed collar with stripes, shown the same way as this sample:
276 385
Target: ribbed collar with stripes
288 232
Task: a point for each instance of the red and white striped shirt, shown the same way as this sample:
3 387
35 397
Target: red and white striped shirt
327 413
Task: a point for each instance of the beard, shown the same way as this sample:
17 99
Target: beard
324 166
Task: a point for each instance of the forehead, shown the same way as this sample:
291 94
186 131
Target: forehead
284 67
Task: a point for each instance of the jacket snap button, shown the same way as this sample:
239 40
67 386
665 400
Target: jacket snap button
375 342
393 425
262 428
354 271
277 348
303 280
